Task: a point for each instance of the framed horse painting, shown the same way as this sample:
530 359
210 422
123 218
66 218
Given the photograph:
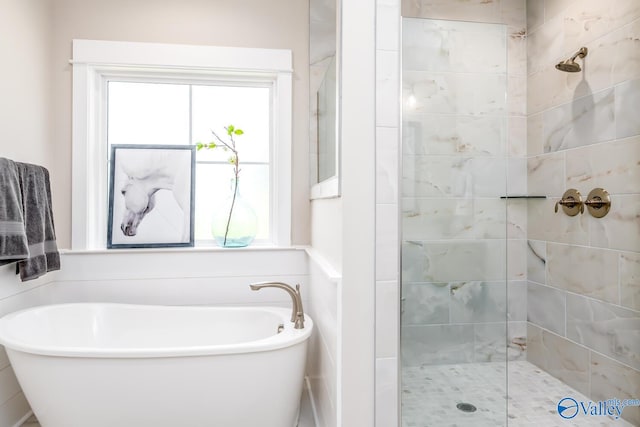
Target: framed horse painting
151 196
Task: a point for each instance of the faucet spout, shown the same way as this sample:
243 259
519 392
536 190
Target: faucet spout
297 312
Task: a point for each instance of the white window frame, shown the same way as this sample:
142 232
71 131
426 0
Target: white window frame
96 62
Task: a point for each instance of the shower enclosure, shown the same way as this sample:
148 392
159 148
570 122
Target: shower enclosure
520 299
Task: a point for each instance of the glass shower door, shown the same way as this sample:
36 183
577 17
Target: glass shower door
454 227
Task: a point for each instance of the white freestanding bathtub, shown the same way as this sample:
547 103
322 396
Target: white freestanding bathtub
119 365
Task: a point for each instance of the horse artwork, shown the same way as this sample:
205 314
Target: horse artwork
151 196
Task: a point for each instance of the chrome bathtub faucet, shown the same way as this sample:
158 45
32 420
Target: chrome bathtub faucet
297 313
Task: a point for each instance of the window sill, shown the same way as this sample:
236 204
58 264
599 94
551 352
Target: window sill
196 249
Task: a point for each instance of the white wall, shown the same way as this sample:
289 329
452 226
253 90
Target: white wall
24 136
278 24
343 230
15 295
24 81
357 301
322 364
326 230
177 277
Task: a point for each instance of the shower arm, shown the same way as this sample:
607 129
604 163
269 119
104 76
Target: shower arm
581 53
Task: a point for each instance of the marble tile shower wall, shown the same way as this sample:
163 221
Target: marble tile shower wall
583 290
464 146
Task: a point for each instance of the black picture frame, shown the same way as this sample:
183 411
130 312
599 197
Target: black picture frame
150 189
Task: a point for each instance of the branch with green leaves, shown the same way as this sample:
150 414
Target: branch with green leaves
226 146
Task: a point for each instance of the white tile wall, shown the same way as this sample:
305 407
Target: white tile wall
387 320
387 211
386 242
387 77
387 385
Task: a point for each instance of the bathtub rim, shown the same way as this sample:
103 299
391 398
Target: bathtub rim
288 338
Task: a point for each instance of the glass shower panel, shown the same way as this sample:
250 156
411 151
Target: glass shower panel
454 279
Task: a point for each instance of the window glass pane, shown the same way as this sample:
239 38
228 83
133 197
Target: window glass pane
213 188
148 113
247 108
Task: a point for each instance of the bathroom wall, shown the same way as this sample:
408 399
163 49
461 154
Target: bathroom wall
25 120
278 24
175 277
24 136
357 301
583 132
343 231
326 230
325 280
15 295
387 212
464 147
322 366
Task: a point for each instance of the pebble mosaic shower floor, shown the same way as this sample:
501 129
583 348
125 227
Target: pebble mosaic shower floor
430 395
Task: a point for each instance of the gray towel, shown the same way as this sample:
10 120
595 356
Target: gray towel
37 215
38 219
13 236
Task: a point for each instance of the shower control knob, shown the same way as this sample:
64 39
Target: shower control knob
571 203
598 202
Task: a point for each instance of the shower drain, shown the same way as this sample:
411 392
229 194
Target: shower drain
466 407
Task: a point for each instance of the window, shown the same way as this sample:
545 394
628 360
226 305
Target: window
141 93
140 112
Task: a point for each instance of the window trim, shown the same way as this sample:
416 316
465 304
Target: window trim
94 62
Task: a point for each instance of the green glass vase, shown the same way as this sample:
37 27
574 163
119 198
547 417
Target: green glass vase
235 223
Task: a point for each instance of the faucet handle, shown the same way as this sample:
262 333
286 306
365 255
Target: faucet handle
300 313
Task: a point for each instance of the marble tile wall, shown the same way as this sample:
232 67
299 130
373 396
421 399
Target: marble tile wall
583 132
464 146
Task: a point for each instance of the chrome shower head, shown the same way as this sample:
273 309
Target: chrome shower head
570 65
